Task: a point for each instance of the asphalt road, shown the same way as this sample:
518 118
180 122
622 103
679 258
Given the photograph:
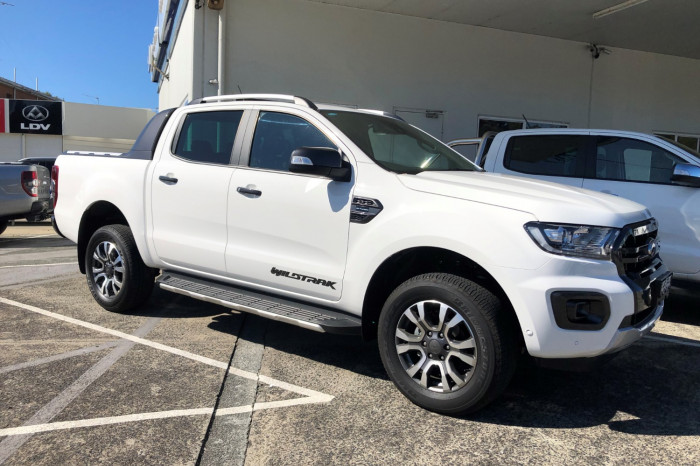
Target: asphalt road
181 382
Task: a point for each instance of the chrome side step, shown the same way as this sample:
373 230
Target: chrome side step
288 311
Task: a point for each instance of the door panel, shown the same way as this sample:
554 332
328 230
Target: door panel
189 192
640 171
287 231
293 235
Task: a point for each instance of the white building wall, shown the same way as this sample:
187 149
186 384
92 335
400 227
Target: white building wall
102 121
371 59
646 92
178 89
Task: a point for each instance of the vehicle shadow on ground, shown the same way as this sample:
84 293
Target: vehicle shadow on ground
342 351
24 243
169 305
650 389
682 307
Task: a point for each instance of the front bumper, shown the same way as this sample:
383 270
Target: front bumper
531 296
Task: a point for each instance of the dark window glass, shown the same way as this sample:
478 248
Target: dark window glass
498 125
688 141
277 135
485 151
555 155
208 137
632 160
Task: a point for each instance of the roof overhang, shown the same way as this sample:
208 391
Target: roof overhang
659 26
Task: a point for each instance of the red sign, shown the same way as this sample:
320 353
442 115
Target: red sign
4 120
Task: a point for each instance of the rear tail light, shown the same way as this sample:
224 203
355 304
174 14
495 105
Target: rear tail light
54 184
30 183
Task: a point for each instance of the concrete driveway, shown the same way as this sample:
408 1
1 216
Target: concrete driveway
182 382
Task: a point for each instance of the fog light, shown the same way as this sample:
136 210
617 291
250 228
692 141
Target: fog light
574 310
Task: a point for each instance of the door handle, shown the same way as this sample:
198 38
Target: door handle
252 192
607 191
167 179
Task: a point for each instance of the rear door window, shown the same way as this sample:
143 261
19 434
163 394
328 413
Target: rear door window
207 137
626 159
552 155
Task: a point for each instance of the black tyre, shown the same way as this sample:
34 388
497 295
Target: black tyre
3 225
116 275
446 344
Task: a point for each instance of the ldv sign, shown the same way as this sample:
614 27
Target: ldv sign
31 116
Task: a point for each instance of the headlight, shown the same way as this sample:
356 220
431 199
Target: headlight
574 240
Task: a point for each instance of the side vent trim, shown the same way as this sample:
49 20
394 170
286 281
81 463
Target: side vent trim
364 209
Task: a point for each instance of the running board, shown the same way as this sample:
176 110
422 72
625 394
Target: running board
288 311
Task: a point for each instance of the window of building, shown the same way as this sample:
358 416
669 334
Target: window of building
687 140
552 155
497 124
277 135
633 160
207 137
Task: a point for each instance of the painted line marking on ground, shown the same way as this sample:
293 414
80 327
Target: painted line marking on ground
103 421
168 349
673 340
37 265
309 396
10 445
58 357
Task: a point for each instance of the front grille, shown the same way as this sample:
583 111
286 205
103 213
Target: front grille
638 251
636 255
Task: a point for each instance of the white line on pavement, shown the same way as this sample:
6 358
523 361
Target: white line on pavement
677 341
37 265
320 397
103 421
58 357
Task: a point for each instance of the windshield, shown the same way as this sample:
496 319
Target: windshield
397 146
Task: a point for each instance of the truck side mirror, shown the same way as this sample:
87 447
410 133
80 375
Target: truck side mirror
322 161
685 174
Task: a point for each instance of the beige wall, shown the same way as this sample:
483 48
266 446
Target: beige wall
371 59
85 127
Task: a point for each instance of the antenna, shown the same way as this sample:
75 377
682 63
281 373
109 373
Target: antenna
527 123
93 97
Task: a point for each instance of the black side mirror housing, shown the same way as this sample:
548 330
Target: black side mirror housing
686 174
321 161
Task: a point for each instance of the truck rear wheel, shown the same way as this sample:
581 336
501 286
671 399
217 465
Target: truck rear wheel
446 344
116 275
3 225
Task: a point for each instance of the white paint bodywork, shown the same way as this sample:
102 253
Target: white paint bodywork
677 208
303 226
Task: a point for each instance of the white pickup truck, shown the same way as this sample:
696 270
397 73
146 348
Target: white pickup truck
653 171
352 221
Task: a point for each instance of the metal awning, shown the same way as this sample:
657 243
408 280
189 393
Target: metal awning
660 26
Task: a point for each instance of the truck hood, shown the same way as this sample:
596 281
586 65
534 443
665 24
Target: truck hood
548 202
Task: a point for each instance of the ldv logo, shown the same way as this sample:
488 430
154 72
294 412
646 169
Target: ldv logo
35 113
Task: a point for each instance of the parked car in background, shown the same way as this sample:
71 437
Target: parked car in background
651 170
43 161
24 192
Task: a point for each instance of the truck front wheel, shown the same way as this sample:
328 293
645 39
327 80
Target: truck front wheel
446 343
3 224
116 275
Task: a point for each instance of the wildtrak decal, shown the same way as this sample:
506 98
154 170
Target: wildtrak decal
303 278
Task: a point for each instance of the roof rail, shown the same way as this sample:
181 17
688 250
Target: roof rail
383 113
267 97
